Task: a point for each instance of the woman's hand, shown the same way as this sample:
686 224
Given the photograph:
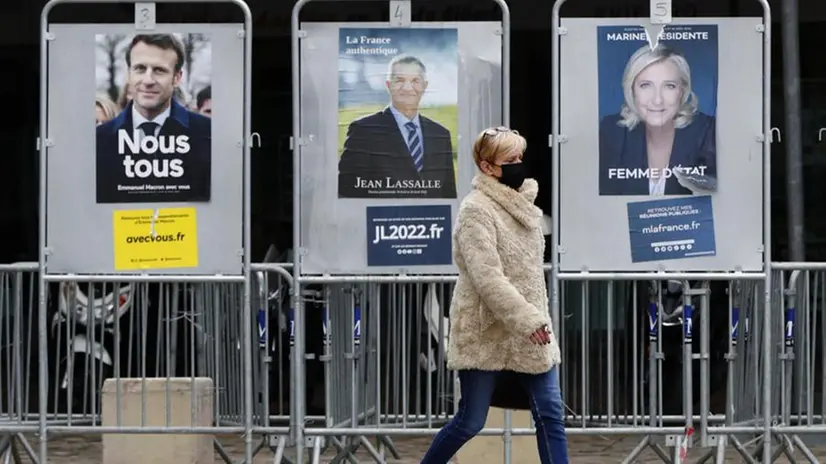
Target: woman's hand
542 336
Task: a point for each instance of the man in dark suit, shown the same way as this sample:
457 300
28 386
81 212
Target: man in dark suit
155 150
397 152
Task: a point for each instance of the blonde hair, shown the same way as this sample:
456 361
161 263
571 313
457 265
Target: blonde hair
109 108
181 95
641 60
496 140
125 95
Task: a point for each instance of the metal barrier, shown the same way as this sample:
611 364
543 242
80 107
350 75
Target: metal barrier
622 345
378 370
158 339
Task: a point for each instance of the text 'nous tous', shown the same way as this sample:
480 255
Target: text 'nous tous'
150 145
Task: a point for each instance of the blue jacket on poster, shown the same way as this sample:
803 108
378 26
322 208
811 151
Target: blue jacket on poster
196 160
623 152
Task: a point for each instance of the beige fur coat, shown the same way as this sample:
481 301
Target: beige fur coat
500 297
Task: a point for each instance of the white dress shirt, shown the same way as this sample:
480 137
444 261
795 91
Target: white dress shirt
138 119
657 187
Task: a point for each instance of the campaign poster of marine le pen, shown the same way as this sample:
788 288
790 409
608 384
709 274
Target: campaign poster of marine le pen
657 110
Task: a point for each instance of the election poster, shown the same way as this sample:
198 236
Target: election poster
397 113
153 111
651 123
165 238
657 110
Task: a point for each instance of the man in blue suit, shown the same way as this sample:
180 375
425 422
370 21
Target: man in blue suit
155 150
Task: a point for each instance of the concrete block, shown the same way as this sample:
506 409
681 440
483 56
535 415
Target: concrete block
189 403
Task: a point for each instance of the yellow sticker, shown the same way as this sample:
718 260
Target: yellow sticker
155 239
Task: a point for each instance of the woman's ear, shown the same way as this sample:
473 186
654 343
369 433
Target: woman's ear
486 168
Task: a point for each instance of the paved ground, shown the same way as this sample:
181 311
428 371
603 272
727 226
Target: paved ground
584 450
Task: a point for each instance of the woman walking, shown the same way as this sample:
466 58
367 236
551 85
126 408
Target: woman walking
499 322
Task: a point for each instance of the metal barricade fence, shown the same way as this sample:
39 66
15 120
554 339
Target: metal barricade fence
136 358
378 350
629 355
799 369
375 362
18 360
632 366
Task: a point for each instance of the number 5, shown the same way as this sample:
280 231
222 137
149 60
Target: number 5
661 9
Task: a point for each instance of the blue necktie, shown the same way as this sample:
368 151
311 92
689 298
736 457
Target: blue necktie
415 146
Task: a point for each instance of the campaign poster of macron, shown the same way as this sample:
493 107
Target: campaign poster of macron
657 105
397 113
153 115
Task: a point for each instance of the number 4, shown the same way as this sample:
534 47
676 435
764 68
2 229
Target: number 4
400 13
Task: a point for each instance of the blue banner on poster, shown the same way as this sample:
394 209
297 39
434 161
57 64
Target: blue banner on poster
417 235
671 229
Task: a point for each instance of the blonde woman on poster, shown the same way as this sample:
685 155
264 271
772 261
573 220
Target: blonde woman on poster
663 139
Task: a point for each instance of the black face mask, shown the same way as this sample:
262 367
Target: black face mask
513 175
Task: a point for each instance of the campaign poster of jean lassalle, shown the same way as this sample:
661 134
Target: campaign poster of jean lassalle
398 113
657 105
153 115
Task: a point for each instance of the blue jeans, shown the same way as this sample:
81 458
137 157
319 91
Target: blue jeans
477 390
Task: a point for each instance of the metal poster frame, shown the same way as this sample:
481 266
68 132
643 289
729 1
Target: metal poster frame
146 21
297 388
557 138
